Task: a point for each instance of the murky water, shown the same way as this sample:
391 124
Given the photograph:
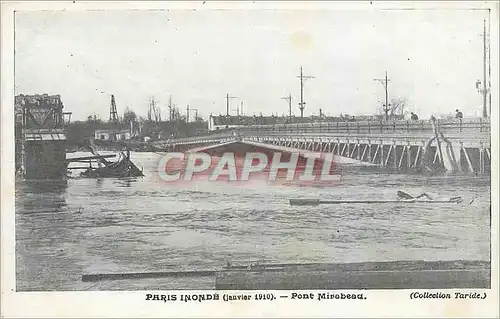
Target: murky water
142 224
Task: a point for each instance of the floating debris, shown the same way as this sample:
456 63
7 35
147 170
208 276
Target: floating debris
123 167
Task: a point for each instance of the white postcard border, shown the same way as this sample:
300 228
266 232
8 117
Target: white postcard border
379 303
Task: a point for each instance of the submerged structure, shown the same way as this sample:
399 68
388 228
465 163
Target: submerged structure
100 166
40 136
40 133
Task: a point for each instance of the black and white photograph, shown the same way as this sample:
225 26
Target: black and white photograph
239 147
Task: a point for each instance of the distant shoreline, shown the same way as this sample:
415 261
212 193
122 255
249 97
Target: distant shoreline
113 146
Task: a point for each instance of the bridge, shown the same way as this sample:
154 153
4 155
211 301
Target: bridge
457 145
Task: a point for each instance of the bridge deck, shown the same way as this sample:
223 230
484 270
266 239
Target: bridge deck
468 131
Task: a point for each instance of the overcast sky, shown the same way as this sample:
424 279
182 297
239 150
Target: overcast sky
433 59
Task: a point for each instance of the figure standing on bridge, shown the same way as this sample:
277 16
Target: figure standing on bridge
458 115
414 117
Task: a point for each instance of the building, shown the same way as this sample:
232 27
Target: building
112 134
217 122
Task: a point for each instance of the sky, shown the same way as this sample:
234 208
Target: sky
433 59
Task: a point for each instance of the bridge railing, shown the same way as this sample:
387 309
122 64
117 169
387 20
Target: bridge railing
467 127
223 135
446 126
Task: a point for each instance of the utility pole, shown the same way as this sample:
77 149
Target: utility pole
289 99
187 114
386 105
302 103
486 82
227 102
241 108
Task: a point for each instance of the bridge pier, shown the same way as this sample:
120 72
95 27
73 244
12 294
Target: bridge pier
382 154
408 157
369 151
40 136
395 161
404 156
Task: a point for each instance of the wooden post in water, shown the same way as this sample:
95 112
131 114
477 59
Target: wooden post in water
395 155
408 156
381 153
415 164
403 151
481 160
388 155
369 151
471 168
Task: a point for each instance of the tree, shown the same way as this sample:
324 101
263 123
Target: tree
396 109
94 119
129 116
132 121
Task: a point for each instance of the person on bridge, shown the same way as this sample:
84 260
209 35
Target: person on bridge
414 117
458 115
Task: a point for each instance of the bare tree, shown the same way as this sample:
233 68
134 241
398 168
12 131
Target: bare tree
94 119
396 110
129 116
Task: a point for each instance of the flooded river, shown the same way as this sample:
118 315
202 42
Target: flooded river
142 224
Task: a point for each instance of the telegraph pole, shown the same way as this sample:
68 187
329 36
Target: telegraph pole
227 102
302 103
486 82
187 114
289 99
386 105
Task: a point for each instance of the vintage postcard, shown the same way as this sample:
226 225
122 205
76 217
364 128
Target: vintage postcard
262 159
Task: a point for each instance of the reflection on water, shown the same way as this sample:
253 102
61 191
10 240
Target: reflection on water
42 186
143 224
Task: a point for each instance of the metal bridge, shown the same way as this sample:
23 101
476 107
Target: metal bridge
458 145
40 136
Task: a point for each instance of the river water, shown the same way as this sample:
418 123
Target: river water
142 224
